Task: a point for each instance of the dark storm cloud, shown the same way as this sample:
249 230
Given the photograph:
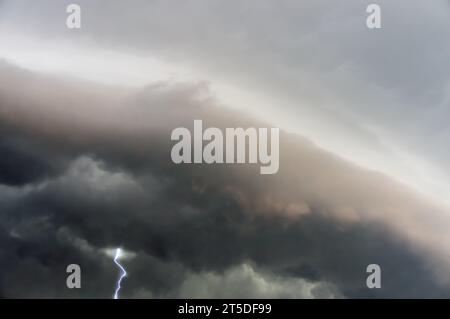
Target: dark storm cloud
92 171
381 93
21 164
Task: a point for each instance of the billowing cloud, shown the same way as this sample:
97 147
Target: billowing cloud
92 171
309 66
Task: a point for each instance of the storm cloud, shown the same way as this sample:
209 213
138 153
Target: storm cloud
311 67
86 168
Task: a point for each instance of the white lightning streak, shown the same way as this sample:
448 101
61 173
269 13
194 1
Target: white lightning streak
123 272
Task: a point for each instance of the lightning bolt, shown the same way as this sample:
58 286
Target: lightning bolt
123 272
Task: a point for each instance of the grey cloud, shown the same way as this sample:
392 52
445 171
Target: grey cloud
246 282
318 223
340 81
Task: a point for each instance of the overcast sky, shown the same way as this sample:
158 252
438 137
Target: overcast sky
379 99
376 97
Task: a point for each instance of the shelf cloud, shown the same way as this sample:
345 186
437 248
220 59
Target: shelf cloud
86 117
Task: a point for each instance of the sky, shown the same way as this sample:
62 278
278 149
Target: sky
85 121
